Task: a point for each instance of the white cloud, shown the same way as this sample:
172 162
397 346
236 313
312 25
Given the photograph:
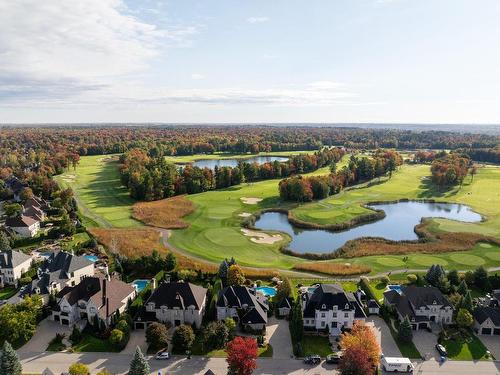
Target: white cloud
197 76
257 19
55 48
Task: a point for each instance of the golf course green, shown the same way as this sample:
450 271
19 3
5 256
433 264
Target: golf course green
215 226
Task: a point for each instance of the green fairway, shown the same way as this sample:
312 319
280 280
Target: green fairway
412 182
226 155
101 197
215 226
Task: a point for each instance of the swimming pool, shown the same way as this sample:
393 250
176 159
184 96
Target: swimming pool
92 258
140 285
268 291
397 288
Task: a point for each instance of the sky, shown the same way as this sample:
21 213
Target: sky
254 61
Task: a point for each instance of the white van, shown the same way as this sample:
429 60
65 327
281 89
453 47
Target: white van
396 364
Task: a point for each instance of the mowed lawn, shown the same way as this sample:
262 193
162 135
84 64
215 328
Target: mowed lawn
101 197
215 226
412 182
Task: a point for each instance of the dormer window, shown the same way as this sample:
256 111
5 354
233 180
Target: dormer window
434 302
323 306
346 306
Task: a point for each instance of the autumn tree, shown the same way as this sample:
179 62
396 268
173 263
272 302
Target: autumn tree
183 338
361 338
356 361
157 335
283 289
235 275
242 355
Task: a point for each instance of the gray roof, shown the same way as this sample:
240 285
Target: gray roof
424 296
11 258
66 262
326 296
483 313
179 294
253 308
20 221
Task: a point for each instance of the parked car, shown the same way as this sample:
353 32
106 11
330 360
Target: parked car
441 350
334 357
162 355
312 359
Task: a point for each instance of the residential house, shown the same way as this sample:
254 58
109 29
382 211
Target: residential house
283 307
24 226
61 269
487 320
329 308
177 303
244 305
99 296
373 307
35 208
12 265
422 305
16 186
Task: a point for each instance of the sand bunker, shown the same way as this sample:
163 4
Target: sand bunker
245 214
251 200
261 237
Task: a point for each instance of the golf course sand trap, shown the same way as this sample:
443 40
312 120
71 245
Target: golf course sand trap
245 214
250 200
261 237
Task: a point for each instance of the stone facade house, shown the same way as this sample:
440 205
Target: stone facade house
24 226
61 269
422 305
177 303
244 305
329 308
12 265
487 320
93 296
283 307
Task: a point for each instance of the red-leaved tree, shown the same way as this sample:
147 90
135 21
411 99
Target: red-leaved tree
356 361
242 355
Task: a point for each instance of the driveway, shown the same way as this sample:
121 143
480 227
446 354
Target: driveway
492 343
278 335
45 332
137 339
384 337
425 342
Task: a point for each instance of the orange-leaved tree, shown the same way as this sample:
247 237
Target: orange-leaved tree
242 355
361 339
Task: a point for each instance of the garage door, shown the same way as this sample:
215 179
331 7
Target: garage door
65 322
139 325
422 325
496 331
486 331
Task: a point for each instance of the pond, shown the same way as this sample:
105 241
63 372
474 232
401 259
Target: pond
398 224
211 163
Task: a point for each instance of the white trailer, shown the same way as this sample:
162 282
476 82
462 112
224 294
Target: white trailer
396 364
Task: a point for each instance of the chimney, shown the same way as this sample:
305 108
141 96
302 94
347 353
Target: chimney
107 307
104 282
153 284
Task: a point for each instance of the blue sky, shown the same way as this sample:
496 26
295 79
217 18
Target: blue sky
426 61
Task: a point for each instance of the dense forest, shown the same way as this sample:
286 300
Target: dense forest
451 169
151 178
304 189
35 154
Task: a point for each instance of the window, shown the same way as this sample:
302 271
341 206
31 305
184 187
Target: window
323 306
322 315
346 315
322 324
334 315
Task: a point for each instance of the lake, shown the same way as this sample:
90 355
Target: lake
211 163
398 224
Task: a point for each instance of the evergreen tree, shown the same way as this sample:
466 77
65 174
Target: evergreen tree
4 242
453 277
462 288
481 278
170 261
405 332
435 272
467 302
139 364
9 361
443 284
224 266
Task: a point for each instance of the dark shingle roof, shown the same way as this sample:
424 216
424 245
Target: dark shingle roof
241 297
373 304
178 294
20 221
92 289
326 296
483 313
11 259
424 296
284 303
65 262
